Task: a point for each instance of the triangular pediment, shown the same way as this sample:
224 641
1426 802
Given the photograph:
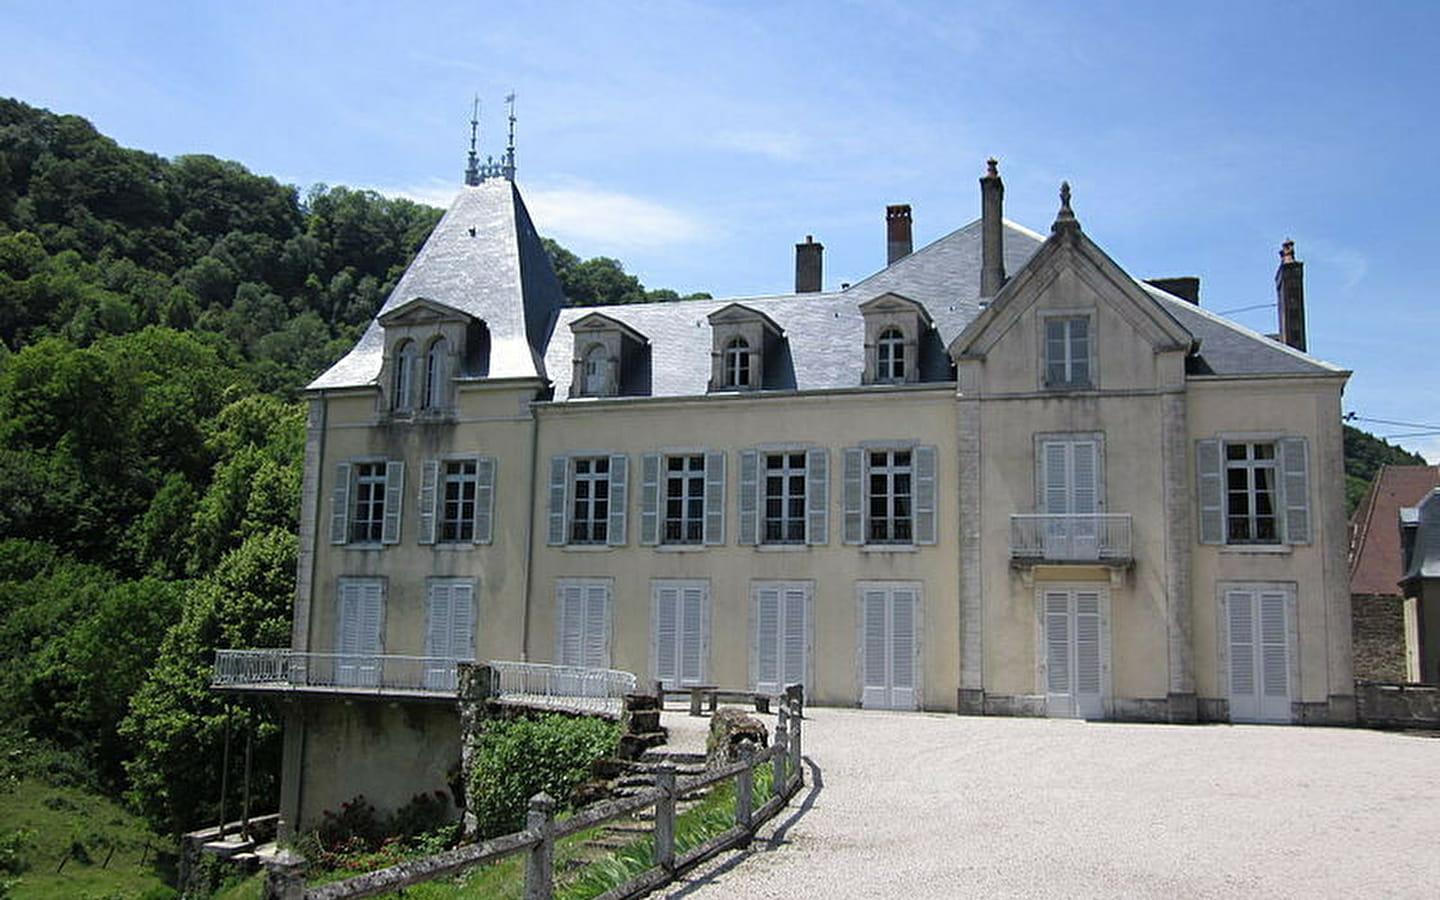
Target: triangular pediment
597 323
422 311
890 303
1069 257
738 313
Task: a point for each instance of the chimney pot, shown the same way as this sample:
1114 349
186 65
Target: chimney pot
809 260
899 238
992 230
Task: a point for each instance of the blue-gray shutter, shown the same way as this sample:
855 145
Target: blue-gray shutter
619 499
429 485
1295 465
817 496
340 505
715 498
559 471
650 498
854 495
1210 489
924 495
748 529
394 498
485 499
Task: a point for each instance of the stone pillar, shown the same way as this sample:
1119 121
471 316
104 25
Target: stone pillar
475 686
971 697
292 770
285 876
1179 607
540 866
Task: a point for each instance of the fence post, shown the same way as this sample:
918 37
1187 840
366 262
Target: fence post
285 876
780 751
665 817
745 791
540 870
795 719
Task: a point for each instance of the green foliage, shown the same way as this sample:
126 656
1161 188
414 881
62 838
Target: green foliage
602 280
518 758
1364 455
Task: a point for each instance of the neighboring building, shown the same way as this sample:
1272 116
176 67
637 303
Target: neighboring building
999 476
1420 558
1376 565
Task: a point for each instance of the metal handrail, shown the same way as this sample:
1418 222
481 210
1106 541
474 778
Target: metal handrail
1070 536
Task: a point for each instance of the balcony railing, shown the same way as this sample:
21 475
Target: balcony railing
536 684
1071 538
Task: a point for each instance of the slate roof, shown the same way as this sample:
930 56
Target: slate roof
500 275
485 259
1425 558
1375 557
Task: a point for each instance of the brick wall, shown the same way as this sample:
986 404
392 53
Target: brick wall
1378 633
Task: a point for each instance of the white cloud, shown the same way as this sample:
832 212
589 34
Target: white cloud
438 192
589 215
787 146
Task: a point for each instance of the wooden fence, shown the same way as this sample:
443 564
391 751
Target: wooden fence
286 871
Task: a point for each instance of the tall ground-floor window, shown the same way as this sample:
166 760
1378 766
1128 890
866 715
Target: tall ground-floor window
1075 650
449 629
582 621
359 626
780 619
890 617
1259 624
680 631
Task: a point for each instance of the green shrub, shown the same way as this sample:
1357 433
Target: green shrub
518 758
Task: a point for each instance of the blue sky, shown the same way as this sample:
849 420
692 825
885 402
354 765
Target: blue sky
698 142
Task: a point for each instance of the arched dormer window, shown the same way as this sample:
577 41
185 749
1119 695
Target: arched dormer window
402 398
596 371
890 356
435 375
737 363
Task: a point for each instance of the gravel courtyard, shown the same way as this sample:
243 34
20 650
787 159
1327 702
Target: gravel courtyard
916 805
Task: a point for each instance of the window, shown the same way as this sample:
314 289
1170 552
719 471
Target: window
1253 491
685 499
1258 659
737 363
457 498
365 502
889 637
890 356
681 630
359 631
434 394
1067 351
597 371
890 495
457 507
587 500
449 629
582 622
404 384
1073 628
784 498
780 619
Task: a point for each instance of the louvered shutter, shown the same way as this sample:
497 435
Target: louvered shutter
1057 642
1054 496
817 497
692 635
439 635
372 612
1085 478
767 640
874 692
619 499
794 646
667 631
854 498
1295 463
596 630
559 471
714 498
462 605
924 495
570 623
902 649
1210 490
485 499
748 528
394 494
650 499
429 486
340 505
1240 609
1088 662
1274 656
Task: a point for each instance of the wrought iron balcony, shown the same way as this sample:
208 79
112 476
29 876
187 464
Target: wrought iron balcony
1096 538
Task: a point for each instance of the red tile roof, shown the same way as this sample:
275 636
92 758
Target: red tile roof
1375 527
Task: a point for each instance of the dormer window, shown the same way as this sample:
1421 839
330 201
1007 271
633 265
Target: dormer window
436 360
894 327
403 389
890 356
610 358
597 377
737 364
745 345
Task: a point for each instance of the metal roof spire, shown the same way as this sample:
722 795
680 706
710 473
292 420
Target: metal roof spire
472 169
510 147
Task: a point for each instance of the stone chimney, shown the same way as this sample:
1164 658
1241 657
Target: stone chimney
899 242
808 261
1290 297
992 232
1187 288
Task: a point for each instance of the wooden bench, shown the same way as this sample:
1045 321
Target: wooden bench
709 695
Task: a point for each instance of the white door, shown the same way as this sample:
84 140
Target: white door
889 646
1074 654
781 611
449 631
1259 656
1071 493
681 630
357 639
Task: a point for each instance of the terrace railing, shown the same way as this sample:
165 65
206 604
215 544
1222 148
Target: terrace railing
542 684
1071 538
283 669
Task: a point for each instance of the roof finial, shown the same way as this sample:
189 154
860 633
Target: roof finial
510 146
472 169
1287 251
1065 219
992 168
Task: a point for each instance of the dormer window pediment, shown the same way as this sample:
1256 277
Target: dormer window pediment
427 344
895 326
605 349
743 341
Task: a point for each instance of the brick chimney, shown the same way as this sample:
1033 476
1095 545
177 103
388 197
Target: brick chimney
992 232
1290 297
808 261
899 242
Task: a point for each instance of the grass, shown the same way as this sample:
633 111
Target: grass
94 843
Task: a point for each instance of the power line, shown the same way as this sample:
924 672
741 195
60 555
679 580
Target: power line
1231 312
1354 417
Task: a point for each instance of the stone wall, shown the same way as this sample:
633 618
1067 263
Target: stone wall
1378 629
1397 705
